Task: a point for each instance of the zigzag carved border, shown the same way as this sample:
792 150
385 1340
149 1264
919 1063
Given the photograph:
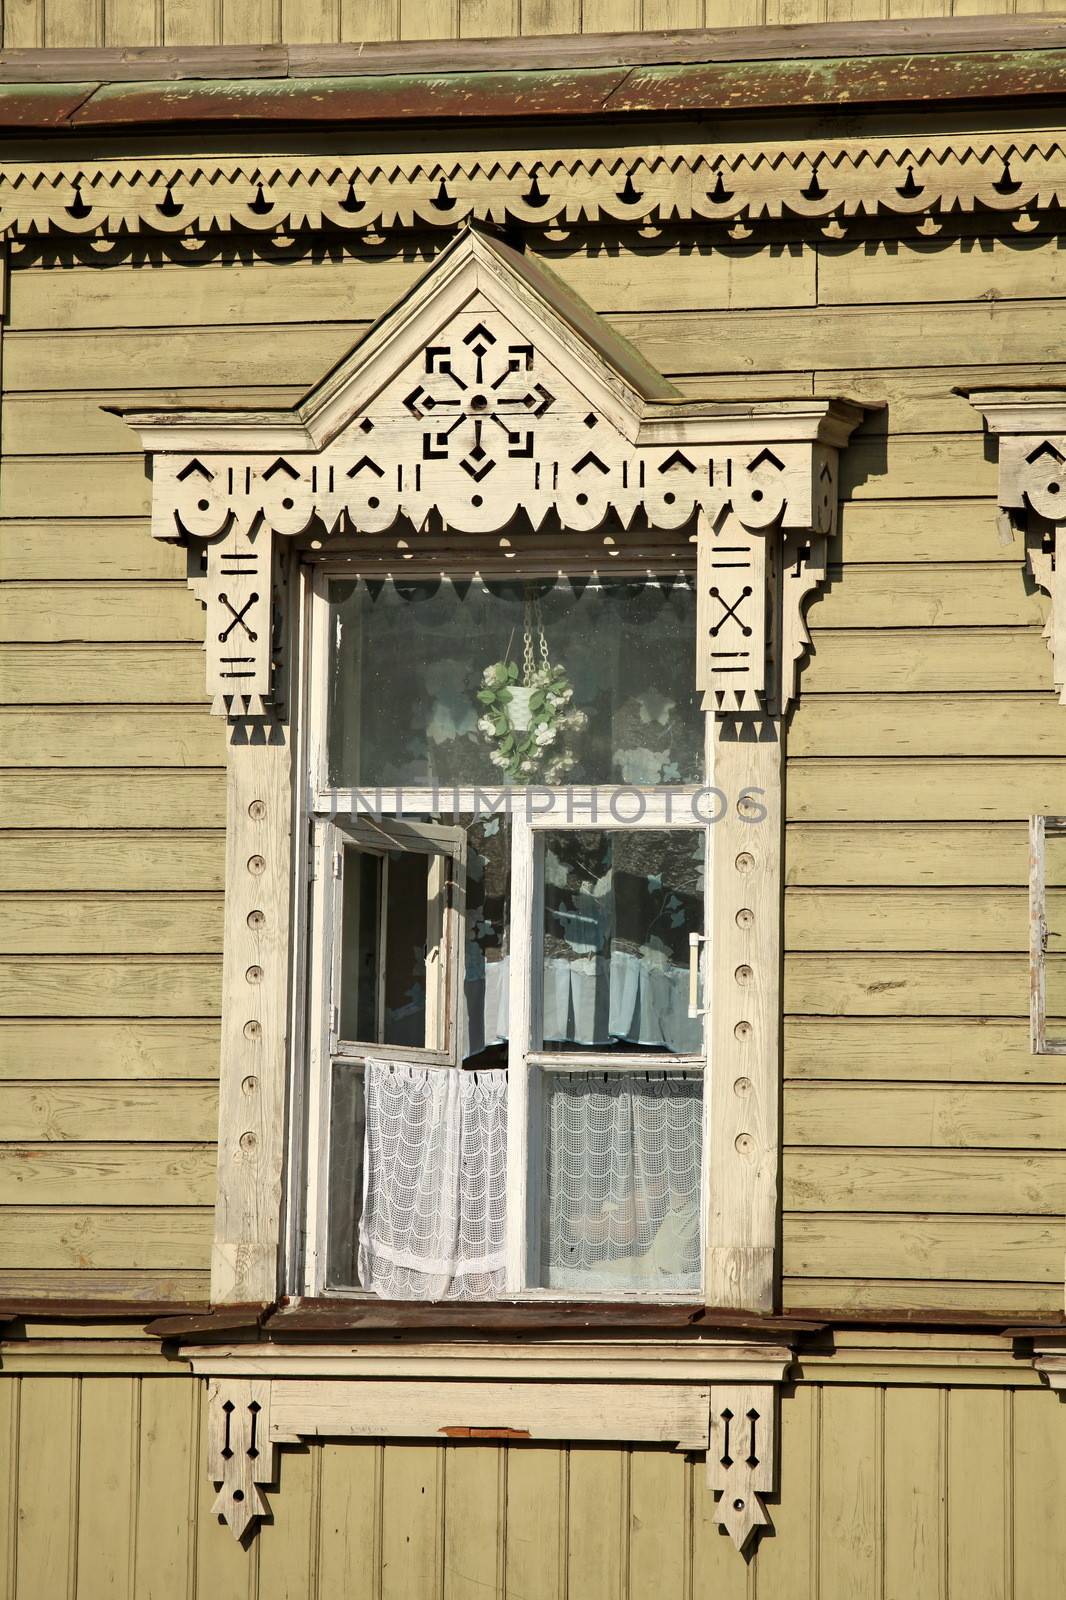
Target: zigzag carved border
826 185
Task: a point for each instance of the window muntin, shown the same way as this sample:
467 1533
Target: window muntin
508 930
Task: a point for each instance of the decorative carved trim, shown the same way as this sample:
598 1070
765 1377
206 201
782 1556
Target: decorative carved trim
700 1395
894 182
1031 428
487 395
742 1457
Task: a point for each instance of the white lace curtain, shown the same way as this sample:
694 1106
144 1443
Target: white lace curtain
434 1183
623 1181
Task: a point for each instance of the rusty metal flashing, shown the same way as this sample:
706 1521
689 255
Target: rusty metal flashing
694 73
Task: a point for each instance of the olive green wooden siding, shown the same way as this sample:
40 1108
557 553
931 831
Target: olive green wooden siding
915 1493
68 23
925 1160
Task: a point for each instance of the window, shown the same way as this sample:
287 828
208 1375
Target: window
508 913
1047 934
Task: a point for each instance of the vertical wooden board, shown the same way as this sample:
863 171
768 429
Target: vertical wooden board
785 1569
167 1484
72 24
249 21
9 1471
349 1520
369 21
734 13
914 1499
671 14
849 1532
1039 1480
310 21
596 1521
132 22
191 22
978 1509
412 1502
474 1521
786 13
223 1567
658 1531
429 19
551 16
610 16
536 1539
106 1488
488 19
288 1540
48 1487
23 24
716 1571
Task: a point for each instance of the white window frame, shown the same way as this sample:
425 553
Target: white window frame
332 816
1040 828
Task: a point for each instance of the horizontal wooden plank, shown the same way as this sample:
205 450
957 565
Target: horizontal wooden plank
64 1237
50 613
110 924
1007 1249
103 550
879 658
804 340
964 1116
102 674
950 920
871 1295
983 595
909 467
102 737
111 1175
83 1047
922 399
906 855
897 271
116 860
91 1112
907 986
130 986
940 531
916 1049
846 790
942 725
988 1183
193 798
81 1283
704 275
79 423
75 486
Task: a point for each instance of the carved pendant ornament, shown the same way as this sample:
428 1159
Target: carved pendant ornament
1030 425
486 395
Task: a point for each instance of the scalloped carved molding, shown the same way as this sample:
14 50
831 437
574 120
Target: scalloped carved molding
1030 426
898 184
488 394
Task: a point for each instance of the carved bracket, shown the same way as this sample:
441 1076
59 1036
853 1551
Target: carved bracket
1030 425
487 396
741 1460
240 1452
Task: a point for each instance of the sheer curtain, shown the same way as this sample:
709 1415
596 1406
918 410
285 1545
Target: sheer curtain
622 1162
434 1183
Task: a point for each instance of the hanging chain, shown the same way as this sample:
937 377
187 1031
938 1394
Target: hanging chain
533 622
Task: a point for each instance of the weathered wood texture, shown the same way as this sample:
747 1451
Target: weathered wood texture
102 1492
30 24
923 1143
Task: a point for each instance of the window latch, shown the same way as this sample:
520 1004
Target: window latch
694 1007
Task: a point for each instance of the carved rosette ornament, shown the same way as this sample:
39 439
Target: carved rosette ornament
1030 426
489 394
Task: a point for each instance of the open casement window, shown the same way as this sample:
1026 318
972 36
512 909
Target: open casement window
1047 935
507 1069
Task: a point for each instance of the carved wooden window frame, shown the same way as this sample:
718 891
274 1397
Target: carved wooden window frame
244 492
1040 829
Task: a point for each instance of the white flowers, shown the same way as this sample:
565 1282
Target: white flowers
545 734
486 725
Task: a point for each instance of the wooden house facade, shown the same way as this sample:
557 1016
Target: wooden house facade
568 489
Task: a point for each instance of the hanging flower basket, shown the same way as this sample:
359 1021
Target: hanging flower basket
525 722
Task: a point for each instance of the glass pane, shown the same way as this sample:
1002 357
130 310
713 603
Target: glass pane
622 1181
347 1135
555 680
384 914
619 906
488 914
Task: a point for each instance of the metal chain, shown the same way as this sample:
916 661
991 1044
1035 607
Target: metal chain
533 622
